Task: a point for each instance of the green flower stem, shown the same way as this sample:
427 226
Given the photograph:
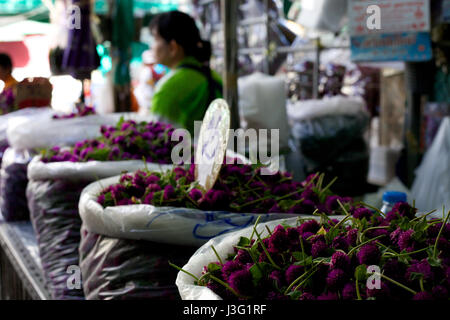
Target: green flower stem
300 278
395 282
306 279
360 245
266 252
422 288
373 208
268 230
254 227
217 255
372 228
227 286
358 294
343 208
424 216
182 270
327 187
440 233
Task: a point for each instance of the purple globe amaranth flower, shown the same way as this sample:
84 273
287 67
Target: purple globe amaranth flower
394 269
282 189
152 179
319 249
405 241
360 213
195 194
340 260
423 295
241 282
369 254
401 209
309 194
293 272
394 236
124 202
440 293
422 267
336 279
443 246
305 207
229 267
307 296
148 198
328 296
434 229
309 226
340 243
382 293
125 126
278 278
169 192
278 241
349 291
154 187
352 237
101 199
243 257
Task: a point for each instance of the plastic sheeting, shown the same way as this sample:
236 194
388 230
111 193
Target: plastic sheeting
13 183
53 194
431 188
168 225
119 269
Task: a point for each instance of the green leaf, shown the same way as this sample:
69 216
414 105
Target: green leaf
435 262
361 273
121 121
295 295
244 242
256 274
415 276
213 267
299 255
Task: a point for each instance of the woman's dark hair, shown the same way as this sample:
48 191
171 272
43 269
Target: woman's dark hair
5 61
179 26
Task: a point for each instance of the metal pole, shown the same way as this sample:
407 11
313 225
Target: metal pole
229 11
316 70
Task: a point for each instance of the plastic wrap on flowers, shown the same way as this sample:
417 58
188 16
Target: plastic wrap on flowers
53 193
114 268
13 184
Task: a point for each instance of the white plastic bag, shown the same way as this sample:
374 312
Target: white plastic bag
168 225
431 188
205 255
324 15
22 113
262 104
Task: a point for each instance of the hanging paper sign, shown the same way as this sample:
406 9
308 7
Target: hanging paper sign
388 16
411 47
212 143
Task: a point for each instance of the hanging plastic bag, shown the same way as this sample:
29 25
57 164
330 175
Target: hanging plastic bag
431 188
53 194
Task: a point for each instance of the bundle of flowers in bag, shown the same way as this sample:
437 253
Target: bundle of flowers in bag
239 188
58 177
126 141
82 111
364 256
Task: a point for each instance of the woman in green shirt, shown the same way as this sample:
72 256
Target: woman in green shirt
183 95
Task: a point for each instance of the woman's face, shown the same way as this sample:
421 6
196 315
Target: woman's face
164 52
161 49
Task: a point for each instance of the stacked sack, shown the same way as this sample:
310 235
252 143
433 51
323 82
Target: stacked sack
329 135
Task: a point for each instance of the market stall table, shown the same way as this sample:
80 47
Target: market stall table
21 275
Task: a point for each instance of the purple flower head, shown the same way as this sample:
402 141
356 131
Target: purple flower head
282 189
125 126
154 187
440 293
152 179
293 272
319 249
293 236
309 226
433 230
101 199
243 257
115 151
360 213
309 194
118 140
308 179
401 209
195 194
328 296
307 296
340 260
169 192
148 198
277 277
306 207
179 172
229 267
394 236
422 267
332 204
394 269
423 295
383 293
124 202
405 241
349 291
278 241
241 282
352 236
340 243
369 254
336 279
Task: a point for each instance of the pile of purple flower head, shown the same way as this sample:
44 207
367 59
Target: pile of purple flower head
82 111
329 260
128 140
239 188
